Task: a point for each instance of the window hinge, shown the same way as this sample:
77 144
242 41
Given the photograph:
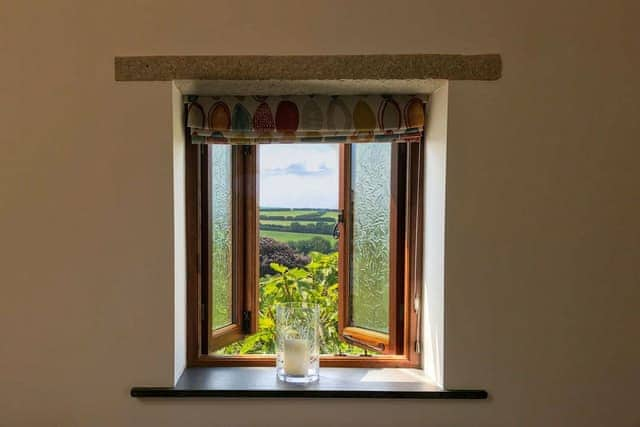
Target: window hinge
246 322
203 312
418 347
416 304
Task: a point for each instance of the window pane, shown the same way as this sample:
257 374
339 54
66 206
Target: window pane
370 197
221 241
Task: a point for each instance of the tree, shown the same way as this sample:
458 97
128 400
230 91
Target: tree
315 244
273 251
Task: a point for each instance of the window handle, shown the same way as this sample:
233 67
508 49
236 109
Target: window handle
336 230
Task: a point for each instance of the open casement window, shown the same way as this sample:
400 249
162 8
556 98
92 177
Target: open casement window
377 230
379 227
228 238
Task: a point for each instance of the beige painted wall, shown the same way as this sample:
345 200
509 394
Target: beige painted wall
543 207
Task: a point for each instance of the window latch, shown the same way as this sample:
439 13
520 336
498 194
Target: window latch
336 229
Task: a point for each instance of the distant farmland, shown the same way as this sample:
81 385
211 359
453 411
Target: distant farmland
287 236
307 223
285 222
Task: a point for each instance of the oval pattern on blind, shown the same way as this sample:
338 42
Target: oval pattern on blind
196 115
389 115
312 118
363 117
219 116
338 116
263 119
414 113
241 118
287 117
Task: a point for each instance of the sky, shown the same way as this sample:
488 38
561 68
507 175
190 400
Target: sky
299 176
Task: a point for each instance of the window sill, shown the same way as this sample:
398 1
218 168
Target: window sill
387 383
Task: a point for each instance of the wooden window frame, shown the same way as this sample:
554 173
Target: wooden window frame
393 342
244 234
401 347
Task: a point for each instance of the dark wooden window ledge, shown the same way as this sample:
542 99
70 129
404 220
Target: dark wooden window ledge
391 383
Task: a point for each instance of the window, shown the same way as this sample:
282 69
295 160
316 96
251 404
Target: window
345 233
373 243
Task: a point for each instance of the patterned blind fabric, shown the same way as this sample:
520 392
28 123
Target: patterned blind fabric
305 119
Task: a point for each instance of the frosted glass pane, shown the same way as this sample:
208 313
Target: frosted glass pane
221 223
371 198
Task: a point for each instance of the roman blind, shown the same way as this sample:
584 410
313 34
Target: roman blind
248 120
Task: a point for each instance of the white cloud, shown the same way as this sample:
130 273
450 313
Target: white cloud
299 176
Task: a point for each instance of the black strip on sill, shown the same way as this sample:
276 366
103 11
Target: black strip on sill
334 383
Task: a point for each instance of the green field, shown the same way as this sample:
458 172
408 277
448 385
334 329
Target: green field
286 212
296 212
287 236
331 214
292 236
278 222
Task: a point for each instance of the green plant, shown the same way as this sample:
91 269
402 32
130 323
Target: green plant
315 283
